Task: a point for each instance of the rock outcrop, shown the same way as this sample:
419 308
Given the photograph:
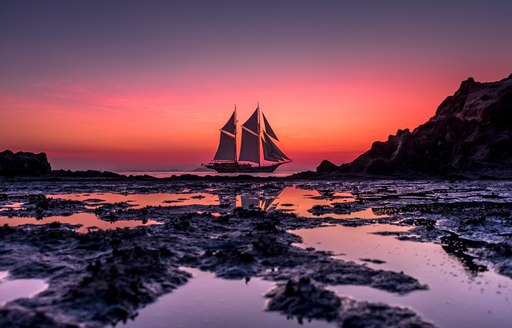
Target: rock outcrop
469 135
23 164
326 167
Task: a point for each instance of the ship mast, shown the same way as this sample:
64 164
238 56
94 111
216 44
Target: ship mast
236 122
259 136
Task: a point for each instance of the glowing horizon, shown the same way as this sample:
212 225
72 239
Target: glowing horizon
148 86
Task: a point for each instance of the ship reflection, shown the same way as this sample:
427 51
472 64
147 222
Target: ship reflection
265 200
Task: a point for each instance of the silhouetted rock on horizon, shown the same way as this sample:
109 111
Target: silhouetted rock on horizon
86 174
326 167
470 134
23 164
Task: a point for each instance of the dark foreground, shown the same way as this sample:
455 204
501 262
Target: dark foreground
102 277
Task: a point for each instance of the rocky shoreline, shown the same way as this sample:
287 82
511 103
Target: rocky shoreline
470 136
104 277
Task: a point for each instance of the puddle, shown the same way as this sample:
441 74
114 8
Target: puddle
88 221
143 200
11 290
12 206
301 201
456 297
207 301
289 199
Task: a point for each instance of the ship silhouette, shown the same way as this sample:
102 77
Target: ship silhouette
258 150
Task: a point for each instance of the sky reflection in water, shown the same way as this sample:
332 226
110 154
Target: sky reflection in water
289 199
207 301
11 290
456 296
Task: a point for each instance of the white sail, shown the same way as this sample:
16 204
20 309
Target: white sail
227 148
253 123
227 143
270 150
268 129
230 126
250 148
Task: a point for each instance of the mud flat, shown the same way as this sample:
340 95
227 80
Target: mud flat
109 249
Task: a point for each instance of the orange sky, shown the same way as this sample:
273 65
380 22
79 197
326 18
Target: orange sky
98 101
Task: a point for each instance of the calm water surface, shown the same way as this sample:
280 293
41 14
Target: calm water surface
167 174
206 301
11 290
456 297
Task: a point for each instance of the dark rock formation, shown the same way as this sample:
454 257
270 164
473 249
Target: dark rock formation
305 298
86 174
470 134
23 164
326 167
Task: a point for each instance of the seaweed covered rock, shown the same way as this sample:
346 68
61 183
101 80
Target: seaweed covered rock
305 298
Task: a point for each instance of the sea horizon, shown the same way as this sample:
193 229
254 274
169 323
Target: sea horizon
170 173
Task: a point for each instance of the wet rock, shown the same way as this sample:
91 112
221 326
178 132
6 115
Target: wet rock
457 246
349 273
267 225
118 287
39 206
427 223
16 316
304 298
270 246
363 314
247 213
374 261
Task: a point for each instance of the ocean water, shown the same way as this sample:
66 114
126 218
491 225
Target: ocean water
167 174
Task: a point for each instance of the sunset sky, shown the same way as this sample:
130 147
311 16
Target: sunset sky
147 84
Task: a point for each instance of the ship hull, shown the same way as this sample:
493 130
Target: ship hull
242 168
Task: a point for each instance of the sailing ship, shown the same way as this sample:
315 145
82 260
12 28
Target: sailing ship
257 140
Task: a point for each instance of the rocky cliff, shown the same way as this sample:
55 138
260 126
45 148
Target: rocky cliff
23 164
470 134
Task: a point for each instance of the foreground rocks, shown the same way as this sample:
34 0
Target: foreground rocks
470 135
104 277
23 164
305 299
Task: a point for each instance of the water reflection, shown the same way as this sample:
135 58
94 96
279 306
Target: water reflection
87 222
456 297
251 198
143 200
11 290
207 301
302 201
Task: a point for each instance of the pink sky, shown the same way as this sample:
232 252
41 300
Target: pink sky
138 94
